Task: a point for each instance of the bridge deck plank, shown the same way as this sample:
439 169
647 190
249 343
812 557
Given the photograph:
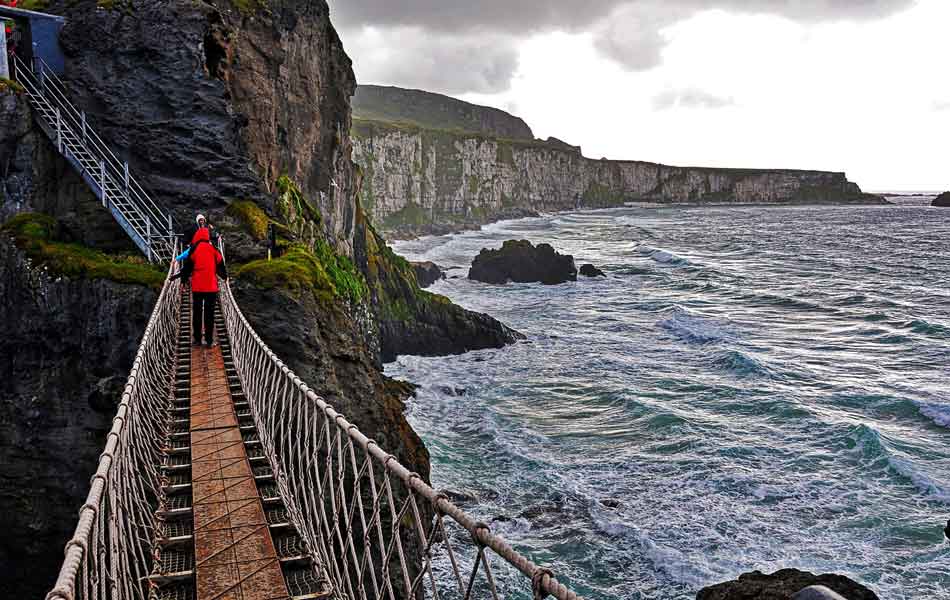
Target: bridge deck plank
235 558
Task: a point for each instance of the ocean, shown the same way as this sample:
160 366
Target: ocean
748 388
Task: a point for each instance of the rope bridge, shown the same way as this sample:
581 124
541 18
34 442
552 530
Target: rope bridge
322 511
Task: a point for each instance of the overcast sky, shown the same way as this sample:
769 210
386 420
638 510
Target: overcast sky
861 86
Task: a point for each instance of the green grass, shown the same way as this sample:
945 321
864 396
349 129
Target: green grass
10 85
251 216
36 235
34 5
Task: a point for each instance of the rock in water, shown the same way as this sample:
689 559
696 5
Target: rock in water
589 270
942 200
946 531
522 262
783 585
427 273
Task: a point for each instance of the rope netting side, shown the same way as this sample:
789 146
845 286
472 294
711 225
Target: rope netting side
109 555
378 530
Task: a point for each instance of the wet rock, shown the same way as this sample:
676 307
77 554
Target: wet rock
589 270
67 346
611 503
427 273
414 321
783 585
522 262
943 200
457 497
946 531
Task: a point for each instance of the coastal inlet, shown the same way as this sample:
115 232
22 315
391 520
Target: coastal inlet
747 388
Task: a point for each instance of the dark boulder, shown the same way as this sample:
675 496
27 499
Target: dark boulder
783 585
522 262
942 200
589 270
427 273
946 531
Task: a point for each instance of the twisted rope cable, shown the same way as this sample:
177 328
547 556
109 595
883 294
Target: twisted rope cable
315 452
108 556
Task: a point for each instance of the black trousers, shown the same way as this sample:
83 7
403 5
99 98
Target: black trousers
202 304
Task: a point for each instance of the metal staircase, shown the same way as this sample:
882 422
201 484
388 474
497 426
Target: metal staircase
149 226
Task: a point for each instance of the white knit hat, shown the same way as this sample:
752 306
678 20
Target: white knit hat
199 219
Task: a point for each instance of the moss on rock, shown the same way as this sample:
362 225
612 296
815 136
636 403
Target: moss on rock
10 85
38 236
323 271
251 216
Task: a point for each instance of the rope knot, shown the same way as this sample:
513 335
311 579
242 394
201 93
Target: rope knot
537 579
435 501
479 525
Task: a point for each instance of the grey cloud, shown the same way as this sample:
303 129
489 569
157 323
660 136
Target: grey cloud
409 57
521 16
470 45
690 98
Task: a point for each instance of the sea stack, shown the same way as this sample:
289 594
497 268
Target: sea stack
943 200
522 262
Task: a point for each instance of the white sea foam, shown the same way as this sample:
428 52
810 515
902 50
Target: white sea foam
931 488
694 328
661 256
939 413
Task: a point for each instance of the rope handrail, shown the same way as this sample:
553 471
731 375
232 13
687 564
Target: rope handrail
108 548
375 530
268 382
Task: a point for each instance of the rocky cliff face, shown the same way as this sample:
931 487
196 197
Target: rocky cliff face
422 179
213 102
67 346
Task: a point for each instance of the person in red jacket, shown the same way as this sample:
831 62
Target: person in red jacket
206 264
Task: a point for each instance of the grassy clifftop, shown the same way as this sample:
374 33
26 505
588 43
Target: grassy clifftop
435 111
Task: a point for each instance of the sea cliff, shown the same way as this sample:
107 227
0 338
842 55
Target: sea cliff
422 176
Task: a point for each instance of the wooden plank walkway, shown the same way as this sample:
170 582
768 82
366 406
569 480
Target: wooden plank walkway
235 557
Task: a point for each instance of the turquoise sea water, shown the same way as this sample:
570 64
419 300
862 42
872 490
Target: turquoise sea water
749 388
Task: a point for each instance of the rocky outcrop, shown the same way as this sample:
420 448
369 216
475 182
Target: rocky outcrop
214 102
427 273
413 321
943 200
522 262
435 111
783 585
590 270
67 345
421 179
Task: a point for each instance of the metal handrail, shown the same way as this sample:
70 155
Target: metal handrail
140 215
78 118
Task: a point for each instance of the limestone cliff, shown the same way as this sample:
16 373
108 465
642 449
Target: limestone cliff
425 179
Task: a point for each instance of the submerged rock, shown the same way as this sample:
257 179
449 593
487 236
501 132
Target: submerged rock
783 585
427 273
942 200
522 262
590 270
